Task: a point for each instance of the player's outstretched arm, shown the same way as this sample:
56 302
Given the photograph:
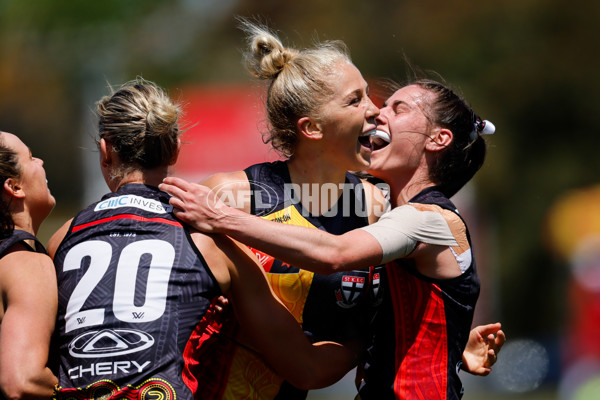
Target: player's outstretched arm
267 323
312 249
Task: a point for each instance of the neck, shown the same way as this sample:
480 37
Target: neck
401 196
404 187
25 222
314 171
311 174
150 177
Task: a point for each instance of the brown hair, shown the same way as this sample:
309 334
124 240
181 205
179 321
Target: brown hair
459 162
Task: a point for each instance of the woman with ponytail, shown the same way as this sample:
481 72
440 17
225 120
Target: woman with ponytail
427 145
320 117
136 285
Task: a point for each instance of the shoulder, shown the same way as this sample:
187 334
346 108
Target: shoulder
377 203
26 258
437 213
233 188
57 238
20 265
28 283
234 179
215 255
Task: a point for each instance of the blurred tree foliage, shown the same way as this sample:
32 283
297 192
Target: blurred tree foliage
530 66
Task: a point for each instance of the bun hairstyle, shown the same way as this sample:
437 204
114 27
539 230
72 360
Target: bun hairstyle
266 56
140 121
9 168
299 80
459 162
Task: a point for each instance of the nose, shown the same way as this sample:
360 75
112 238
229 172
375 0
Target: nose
372 109
379 119
39 160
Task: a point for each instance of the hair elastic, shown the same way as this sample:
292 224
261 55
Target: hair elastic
484 127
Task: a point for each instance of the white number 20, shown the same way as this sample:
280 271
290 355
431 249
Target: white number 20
100 254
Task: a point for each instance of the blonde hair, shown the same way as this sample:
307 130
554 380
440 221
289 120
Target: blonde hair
140 121
299 80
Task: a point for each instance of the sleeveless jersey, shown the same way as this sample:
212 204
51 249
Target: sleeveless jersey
333 307
421 328
133 291
19 236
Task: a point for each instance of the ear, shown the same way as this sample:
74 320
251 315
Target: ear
176 155
105 153
309 129
440 139
13 187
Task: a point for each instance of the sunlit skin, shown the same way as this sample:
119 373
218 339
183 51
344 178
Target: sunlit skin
39 201
329 144
403 163
28 295
348 115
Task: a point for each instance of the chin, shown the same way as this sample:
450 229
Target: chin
51 204
376 172
363 166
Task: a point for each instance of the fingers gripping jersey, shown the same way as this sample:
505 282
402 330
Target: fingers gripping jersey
334 307
423 324
132 289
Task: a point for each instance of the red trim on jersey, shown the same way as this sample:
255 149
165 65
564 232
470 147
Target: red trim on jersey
127 216
263 258
421 353
208 353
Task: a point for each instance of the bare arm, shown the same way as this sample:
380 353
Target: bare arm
312 249
266 320
28 285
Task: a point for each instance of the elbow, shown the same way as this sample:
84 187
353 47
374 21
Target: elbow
308 379
325 268
330 262
26 388
15 390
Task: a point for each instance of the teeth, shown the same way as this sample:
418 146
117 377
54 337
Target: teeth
380 134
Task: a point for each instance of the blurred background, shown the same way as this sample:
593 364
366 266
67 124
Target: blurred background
529 66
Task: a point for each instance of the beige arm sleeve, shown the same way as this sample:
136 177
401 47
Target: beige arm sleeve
399 231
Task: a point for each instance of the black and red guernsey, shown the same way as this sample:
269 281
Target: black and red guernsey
132 289
423 324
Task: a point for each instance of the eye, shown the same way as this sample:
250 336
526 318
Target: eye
355 100
400 108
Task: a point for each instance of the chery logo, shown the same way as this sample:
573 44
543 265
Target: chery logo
109 343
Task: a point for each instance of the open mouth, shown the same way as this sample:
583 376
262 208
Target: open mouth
365 141
379 139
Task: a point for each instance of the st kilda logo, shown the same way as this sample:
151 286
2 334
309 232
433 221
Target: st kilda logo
351 288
